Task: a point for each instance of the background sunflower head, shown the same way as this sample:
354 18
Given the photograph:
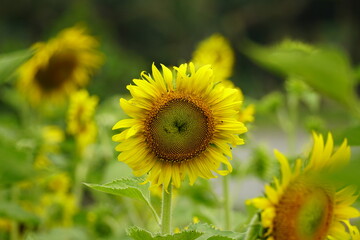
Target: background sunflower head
59 66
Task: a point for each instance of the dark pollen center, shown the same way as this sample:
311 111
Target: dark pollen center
58 70
179 130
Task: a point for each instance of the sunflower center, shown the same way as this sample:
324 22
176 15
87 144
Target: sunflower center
304 213
179 128
58 70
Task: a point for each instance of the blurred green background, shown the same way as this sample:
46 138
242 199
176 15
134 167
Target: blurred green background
138 32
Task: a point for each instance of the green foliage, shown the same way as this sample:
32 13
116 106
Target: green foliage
211 232
270 103
352 134
10 62
16 162
10 210
254 228
128 187
325 69
346 176
140 234
261 163
59 234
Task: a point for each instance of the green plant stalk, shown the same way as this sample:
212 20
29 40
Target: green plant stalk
293 108
158 221
14 231
253 228
166 210
81 172
227 203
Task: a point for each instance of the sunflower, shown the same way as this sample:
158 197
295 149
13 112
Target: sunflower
303 207
80 122
59 66
181 125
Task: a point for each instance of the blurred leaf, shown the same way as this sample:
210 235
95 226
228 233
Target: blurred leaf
59 234
9 63
270 103
13 211
260 163
348 175
326 70
15 163
212 233
201 193
140 234
297 87
128 187
357 73
352 134
315 123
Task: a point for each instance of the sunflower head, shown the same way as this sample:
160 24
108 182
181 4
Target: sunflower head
300 207
59 66
181 124
80 121
215 50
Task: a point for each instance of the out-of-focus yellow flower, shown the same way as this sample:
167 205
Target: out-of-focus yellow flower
302 207
80 118
195 220
52 136
59 66
59 183
215 50
57 205
5 225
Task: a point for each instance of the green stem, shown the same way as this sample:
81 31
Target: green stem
81 172
253 228
293 103
158 221
14 232
227 204
166 210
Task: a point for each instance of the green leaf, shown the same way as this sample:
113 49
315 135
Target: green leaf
128 187
10 62
348 175
326 70
13 211
211 233
141 234
352 134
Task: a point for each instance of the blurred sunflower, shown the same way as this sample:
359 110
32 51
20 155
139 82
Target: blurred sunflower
181 125
80 122
216 51
59 66
303 207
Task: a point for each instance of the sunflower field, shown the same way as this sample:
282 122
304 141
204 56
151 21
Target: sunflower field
179 120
